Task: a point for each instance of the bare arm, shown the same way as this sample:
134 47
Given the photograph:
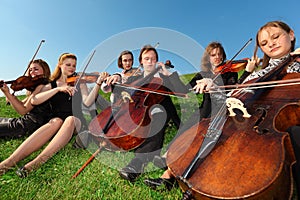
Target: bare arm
47 92
22 107
90 99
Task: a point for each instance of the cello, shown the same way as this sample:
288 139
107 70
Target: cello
125 125
246 155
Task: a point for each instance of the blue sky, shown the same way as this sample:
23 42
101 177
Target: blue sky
182 29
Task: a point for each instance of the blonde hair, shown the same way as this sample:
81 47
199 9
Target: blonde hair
57 71
277 24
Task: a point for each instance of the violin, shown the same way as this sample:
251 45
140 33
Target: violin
85 78
231 66
27 82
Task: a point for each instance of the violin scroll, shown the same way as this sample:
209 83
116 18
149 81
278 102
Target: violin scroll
168 64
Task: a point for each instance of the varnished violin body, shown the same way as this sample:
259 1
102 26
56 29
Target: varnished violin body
85 78
231 66
26 82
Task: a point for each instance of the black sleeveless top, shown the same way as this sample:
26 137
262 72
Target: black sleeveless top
64 105
40 114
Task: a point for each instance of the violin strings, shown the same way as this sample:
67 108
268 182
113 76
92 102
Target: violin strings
218 120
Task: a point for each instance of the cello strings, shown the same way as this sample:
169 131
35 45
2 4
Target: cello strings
258 87
260 83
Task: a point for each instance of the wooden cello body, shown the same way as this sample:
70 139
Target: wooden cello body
126 126
253 157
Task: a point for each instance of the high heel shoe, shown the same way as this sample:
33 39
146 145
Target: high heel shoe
22 172
157 182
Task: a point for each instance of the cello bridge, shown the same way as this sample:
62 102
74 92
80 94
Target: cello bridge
233 103
126 97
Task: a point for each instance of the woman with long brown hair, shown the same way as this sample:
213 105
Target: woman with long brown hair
32 116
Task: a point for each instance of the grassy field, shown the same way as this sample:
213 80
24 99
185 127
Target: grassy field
98 181
53 179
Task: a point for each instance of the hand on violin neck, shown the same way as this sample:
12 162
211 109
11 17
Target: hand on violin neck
4 87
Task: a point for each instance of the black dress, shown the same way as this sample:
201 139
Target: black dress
27 124
63 105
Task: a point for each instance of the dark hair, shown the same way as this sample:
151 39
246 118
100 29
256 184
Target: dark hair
125 52
278 24
205 61
146 49
44 65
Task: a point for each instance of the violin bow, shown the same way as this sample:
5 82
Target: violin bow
7 103
84 69
88 162
34 55
227 64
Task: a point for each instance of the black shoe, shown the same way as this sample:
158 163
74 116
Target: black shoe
160 162
129 173
22 172
132 170
154 183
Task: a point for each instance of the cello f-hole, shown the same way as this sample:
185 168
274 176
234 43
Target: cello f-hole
256 127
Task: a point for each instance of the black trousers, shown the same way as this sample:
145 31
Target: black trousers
152 145
17 127
294 133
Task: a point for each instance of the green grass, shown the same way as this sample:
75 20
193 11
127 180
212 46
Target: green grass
98 181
